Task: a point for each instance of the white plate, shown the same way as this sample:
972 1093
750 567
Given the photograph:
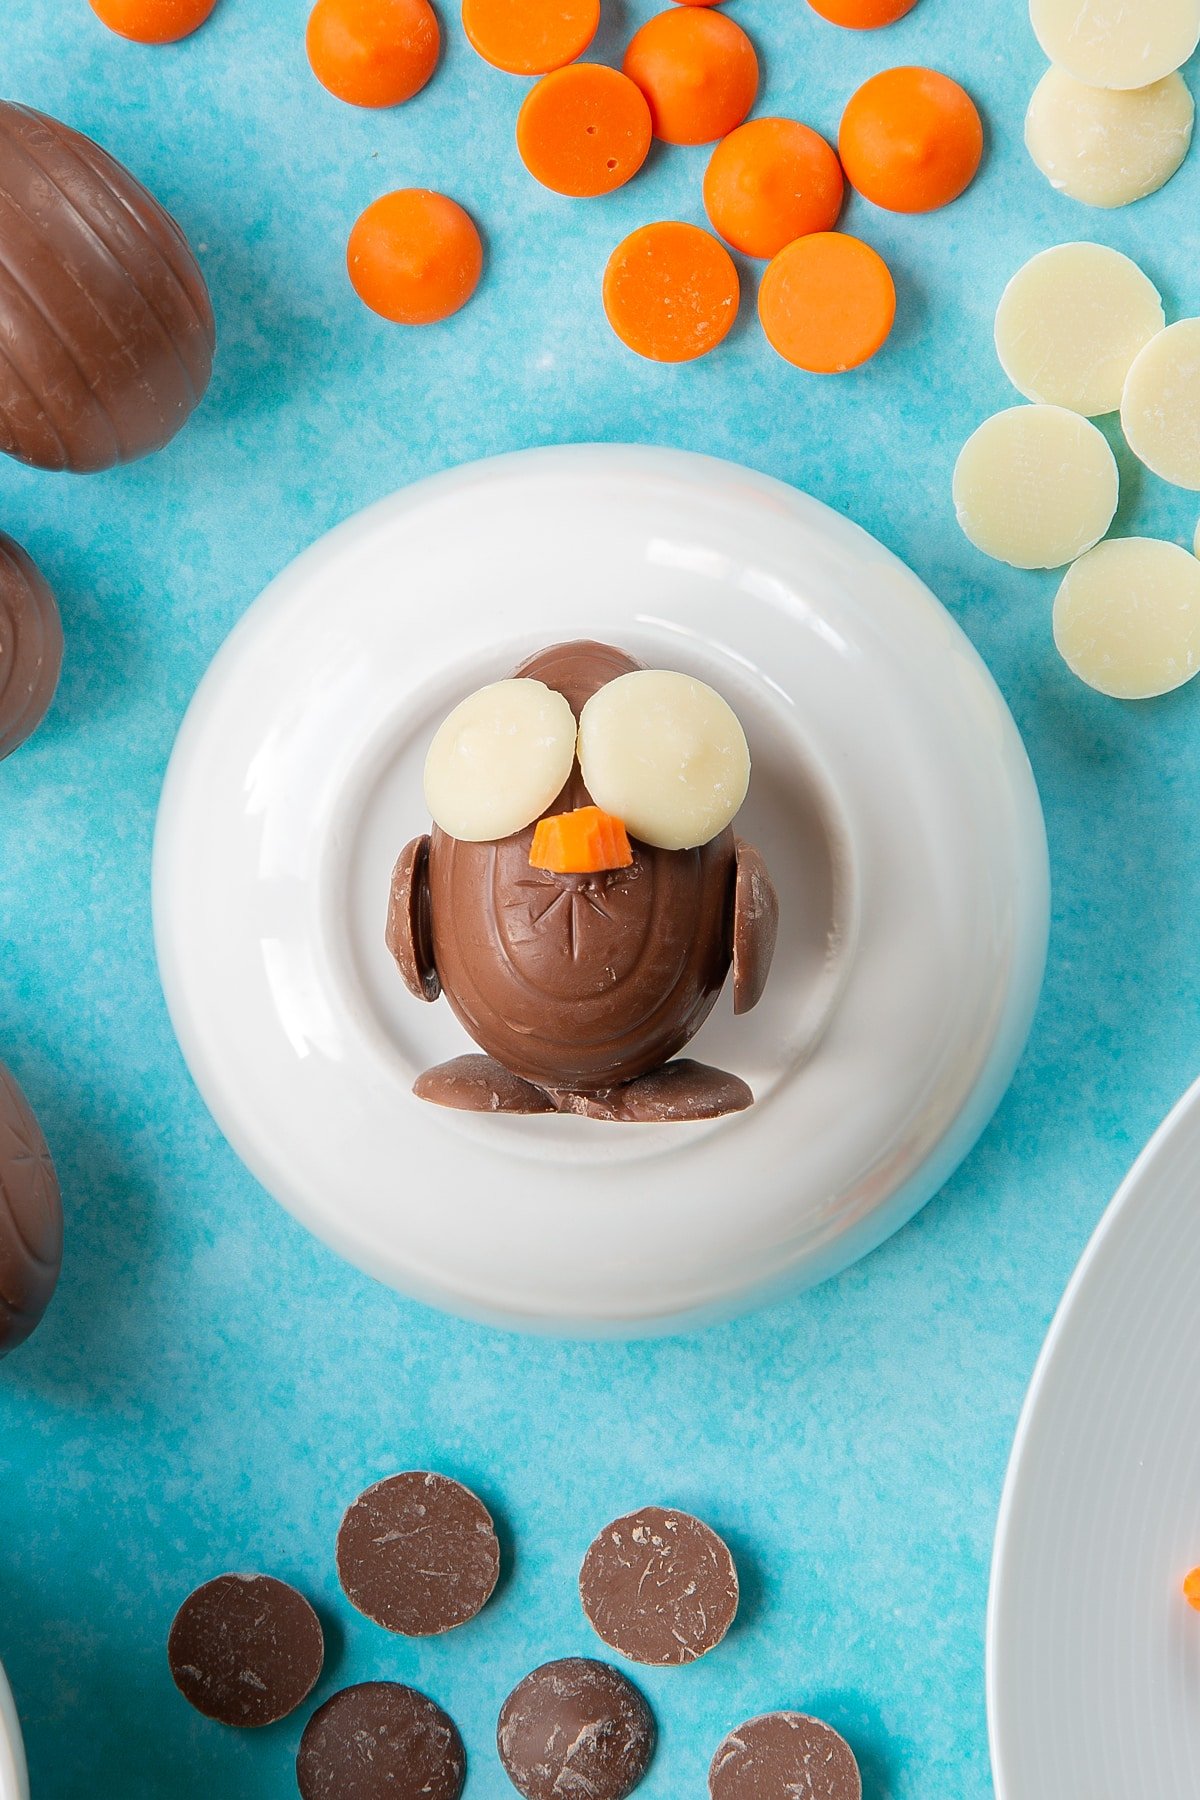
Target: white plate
14 1782
1093 1654
891 796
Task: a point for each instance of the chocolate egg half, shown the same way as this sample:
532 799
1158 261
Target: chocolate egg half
30 1218
106 328
580 982
31 646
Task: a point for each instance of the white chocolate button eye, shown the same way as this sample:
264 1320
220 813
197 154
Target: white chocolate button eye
666 755
499 760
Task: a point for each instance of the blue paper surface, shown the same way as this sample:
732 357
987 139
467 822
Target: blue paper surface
212 1386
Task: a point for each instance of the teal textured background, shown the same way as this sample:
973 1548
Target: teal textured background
212 1386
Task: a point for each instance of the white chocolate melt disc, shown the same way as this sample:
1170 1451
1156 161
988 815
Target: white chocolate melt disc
667 755
1117 43
1036 486
499 760
1107 148
1070 324
1160 409
1127 618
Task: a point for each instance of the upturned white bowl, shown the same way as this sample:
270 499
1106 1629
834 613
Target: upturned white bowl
891 796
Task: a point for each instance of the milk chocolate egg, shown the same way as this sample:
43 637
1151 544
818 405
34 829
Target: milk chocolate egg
581 982
106 329
31 646
30 1218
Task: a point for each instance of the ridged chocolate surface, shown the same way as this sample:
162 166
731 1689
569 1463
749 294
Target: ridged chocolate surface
31 646
30 1218
106 329
580 981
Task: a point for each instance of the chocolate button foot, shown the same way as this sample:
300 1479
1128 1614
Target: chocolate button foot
480 1084
680 1093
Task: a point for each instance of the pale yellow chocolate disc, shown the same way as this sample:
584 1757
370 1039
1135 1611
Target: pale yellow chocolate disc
1160 409
667 755
1127 618
1104 147
499 760
1036 486
1117 43
1070 324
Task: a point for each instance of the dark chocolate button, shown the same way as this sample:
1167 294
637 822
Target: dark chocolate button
381 1741
575 1728
246 1649
31 646
660 1587
782 1755
418 1554
106 330
30 1218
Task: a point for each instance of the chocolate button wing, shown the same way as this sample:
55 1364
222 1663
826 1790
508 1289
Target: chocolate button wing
106 328
31 646
30 1218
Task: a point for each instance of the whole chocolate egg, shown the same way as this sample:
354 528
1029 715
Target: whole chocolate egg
30 1218
31 646
106 328
581 988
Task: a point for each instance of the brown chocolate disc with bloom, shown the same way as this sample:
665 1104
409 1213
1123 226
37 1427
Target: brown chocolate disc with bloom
782 1755
246 1649
575 1727
418 1553
380 1741
660 1587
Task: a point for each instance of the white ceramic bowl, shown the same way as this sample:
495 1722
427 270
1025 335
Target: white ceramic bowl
891 796
14 1782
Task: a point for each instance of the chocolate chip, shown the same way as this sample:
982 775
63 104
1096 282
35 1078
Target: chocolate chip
245 1649
782 1755
660 1587
418 1554
575 1728
380 1741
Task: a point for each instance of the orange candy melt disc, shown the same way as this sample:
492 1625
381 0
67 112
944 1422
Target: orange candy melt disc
584 130
862 15
827 303
911 140
530 37
414 257
699 72
152 21
671 292
1191 1588
770 181
373 52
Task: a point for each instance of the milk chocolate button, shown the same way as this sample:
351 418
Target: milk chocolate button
660 1587
782 1755
418 1554
575 1728
380 1741
246 1649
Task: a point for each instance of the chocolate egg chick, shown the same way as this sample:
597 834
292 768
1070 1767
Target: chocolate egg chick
582 897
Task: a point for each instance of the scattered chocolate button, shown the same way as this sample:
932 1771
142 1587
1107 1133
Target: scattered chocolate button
381 1741
30 1218
246 1649
418 1554
660 1587
782 1755
106 329
575 1728
31 646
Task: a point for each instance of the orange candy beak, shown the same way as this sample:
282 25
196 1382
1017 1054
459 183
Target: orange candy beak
583 842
